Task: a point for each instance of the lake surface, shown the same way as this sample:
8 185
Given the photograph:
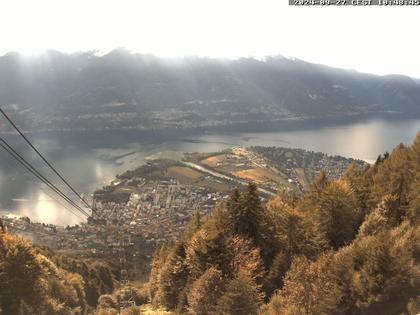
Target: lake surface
91 160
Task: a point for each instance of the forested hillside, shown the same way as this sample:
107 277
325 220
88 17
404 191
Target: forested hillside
35 280
347 246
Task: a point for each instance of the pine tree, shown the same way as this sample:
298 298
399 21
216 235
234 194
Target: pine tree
192 226
386 275
107 301
242 296
252 222
207 248
244 256
234 209
246 212
415 153
313 193
393 177
337 213
157 263
413 213
22 275
173 277
414 194
275 276
310 288
356 177
205 292
288 224
374 223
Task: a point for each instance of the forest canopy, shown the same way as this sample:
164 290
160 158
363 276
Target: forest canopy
346 246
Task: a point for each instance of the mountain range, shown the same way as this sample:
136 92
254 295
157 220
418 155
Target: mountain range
125 90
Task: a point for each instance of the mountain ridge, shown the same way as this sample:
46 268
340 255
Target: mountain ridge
124 90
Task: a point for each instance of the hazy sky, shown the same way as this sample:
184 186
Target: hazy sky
370 39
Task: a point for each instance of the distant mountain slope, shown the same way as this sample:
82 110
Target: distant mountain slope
132 90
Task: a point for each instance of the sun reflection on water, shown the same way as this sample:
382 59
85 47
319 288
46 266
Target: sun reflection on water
44 209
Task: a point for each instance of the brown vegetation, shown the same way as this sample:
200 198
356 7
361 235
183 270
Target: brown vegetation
347 246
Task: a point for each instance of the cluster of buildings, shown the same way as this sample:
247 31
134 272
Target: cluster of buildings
302 166
159 209
156 212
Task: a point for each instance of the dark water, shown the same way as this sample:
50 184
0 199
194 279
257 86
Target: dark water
91 160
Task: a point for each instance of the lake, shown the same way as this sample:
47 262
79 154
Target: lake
90 160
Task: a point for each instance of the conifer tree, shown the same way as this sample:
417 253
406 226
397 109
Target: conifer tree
367 283
244 256
242 296
310 288
246 212
234 209
173 277
192 226
205 292
337 213
22 275
251 221
157 263
413 213
207 248
276 273
288 224
393 177
374 223
415 153
356 177
312 194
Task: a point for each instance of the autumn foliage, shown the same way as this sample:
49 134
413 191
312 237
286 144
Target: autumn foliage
346 246
35 281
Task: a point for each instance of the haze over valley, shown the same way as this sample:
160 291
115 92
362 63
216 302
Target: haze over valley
122 90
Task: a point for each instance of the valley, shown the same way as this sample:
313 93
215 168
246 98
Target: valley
152 203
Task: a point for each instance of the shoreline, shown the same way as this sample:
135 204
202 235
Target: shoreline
278 124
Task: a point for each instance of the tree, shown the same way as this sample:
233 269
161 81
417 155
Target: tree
173 277
242 296
246 212
244 256
413 213
22 275
234 208
337 212
375 222
157 263
384 216
385 276
313 193
68 289
360 184
207 248
205 292
309 288
192 226
393 177
251 221
415 153
295 234
276 273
